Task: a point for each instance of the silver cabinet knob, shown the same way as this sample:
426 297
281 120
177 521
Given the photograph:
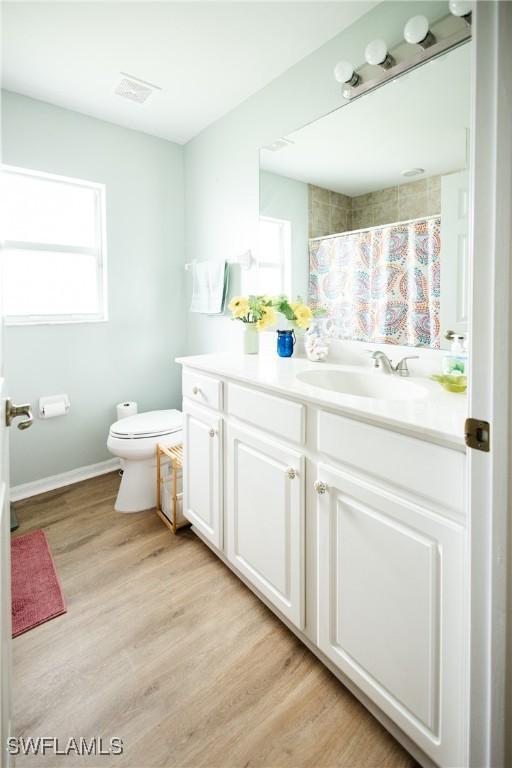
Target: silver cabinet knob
211 432
13 411
196 390
320 486
292 473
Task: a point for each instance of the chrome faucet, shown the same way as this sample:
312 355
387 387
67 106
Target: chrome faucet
381 360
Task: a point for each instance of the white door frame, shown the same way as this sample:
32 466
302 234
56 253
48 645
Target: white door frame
5 590
6 725
489 392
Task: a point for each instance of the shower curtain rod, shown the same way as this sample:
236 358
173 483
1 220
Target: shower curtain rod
378 226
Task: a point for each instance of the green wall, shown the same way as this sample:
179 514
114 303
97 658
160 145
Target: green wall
151 185
132 355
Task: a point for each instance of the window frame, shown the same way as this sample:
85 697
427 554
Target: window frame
285 265
99 253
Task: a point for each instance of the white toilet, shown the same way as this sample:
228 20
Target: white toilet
134 440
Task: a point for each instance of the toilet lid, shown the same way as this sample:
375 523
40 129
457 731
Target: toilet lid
150 424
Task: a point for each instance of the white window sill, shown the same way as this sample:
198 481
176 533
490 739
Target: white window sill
54 320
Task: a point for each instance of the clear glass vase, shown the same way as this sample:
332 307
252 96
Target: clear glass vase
317 339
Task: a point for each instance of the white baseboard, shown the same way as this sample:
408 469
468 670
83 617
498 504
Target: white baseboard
25 490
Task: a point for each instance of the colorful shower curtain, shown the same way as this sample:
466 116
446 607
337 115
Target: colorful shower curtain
380 284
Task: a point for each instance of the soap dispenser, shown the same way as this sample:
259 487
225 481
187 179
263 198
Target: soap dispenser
455 363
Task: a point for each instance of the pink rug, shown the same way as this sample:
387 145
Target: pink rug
36 590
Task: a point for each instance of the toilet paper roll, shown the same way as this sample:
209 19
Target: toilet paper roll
126 409
54 409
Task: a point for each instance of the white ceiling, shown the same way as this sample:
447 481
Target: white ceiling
419 120
206 56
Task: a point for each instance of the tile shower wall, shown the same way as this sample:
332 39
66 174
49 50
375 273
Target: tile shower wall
329 212
332 212
399 203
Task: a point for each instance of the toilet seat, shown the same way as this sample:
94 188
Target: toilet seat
147 425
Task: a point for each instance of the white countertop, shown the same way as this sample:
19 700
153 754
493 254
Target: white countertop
437 417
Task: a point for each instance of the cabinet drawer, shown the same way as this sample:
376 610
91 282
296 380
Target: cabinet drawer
420 468
281 417
204 390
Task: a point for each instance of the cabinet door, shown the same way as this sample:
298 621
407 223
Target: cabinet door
202 472
265 519
391 607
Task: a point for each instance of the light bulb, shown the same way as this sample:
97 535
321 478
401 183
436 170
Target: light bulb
344 72
460 7
416 32
376 52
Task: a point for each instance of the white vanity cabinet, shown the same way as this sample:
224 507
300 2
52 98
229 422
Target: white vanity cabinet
391 606
202 479
377 587
265 518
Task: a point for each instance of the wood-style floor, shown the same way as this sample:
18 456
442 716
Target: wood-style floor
165 648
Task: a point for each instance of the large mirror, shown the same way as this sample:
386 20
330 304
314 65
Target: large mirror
364 211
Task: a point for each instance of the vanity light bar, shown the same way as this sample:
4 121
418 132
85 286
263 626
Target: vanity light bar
416 32
424 54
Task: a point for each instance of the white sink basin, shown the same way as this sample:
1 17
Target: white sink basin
376 386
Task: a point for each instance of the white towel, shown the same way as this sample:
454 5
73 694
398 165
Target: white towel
209 286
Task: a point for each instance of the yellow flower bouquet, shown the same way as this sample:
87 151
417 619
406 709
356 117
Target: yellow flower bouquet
261 311
296 312
257 314
257 311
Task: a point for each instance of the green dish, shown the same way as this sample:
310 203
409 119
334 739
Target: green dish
452 383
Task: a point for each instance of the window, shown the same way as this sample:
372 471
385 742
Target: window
54 248
274 265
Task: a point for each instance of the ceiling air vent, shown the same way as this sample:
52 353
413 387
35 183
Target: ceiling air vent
135 89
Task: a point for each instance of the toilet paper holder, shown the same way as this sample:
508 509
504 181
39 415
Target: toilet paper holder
53 405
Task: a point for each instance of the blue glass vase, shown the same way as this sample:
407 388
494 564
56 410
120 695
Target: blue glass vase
285 343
